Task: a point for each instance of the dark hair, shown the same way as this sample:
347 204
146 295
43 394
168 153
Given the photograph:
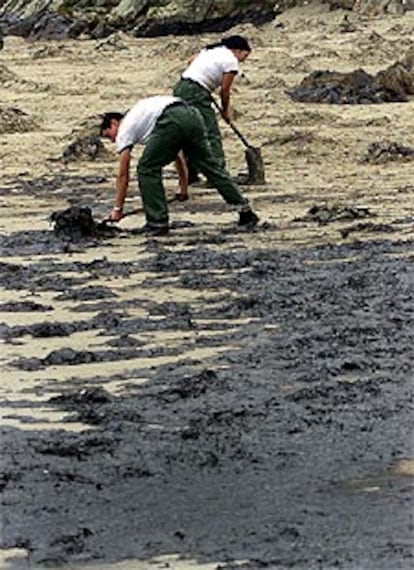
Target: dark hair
232 42
107 118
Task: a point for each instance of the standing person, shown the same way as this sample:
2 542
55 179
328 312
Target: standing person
215 66
165 125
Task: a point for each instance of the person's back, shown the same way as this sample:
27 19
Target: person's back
209 65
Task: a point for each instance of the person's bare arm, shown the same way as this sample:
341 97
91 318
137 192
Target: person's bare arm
192 58
226 83
122 182
182 171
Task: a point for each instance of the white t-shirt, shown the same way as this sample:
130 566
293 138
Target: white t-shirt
139 121
208 67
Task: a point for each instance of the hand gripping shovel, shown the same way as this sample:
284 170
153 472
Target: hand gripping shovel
253 155
109 223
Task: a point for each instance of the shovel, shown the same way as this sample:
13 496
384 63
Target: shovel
108 222
253 155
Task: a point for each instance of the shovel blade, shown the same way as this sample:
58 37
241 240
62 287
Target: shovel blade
255 166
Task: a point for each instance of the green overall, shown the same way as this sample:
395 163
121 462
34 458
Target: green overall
180 127
200 98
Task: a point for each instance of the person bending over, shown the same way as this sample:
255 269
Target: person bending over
165 125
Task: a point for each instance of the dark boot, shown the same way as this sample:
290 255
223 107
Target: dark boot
155 229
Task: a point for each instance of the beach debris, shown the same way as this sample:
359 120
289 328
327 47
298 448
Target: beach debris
326 214
13 120
382 152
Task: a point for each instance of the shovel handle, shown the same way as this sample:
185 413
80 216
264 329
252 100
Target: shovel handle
134 211
231 125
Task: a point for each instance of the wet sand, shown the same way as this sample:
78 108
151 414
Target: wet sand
216 398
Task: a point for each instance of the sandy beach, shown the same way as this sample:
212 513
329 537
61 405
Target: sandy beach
216 398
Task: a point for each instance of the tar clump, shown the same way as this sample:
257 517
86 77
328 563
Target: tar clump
74 223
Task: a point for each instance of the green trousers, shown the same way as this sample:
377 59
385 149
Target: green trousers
200 98
180 127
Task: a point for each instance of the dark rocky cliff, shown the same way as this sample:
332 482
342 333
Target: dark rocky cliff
55 19
99 18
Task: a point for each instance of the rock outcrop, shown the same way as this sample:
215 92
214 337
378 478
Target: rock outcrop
58 19
99 18
393 84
